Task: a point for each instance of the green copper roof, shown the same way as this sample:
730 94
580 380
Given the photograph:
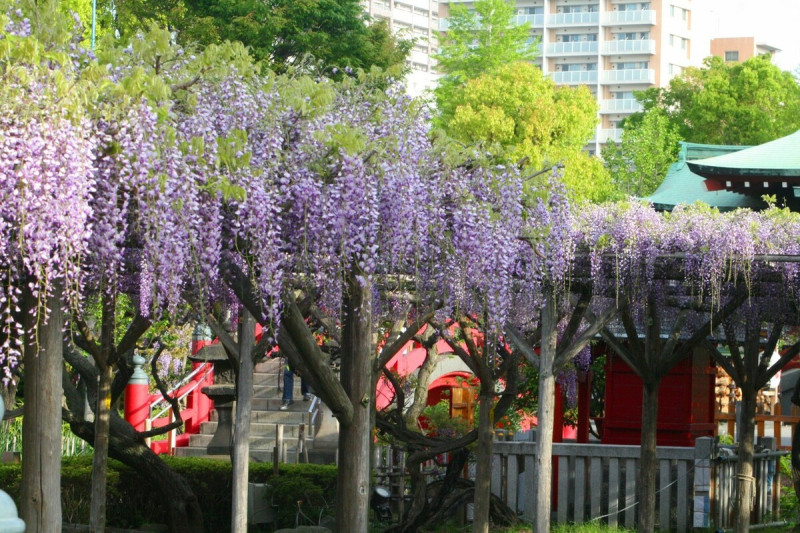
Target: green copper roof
682 186
778 158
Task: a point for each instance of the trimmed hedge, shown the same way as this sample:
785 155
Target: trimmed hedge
133 501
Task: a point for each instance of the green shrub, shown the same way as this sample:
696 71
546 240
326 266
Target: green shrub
790 507
133 500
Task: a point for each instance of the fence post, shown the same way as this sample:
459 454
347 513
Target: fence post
769 443
703 451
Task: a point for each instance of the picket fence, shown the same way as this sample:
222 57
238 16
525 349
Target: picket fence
596 482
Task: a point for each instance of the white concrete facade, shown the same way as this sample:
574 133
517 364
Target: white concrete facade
614 47
418 20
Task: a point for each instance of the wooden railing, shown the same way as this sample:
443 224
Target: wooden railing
597 482
766 425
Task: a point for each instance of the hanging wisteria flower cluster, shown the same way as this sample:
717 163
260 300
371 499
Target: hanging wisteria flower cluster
710 248
183 162
45 170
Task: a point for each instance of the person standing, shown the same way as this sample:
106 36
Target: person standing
288 387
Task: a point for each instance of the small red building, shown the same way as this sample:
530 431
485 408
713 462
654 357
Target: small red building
685 402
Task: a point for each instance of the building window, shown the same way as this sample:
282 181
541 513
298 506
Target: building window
579 9
675 40
631 65
732 55
638 6
578 37
530 10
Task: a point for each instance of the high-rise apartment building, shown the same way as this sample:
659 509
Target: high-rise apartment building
614 47
417 20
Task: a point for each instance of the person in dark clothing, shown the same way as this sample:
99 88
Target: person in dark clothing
288 387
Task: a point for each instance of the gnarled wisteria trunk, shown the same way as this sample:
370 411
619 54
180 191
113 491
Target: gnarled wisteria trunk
102 415
483 474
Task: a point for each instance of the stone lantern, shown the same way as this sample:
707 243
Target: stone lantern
222 393
9 520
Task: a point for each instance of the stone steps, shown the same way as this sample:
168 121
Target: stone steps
257 442
264 417
268 427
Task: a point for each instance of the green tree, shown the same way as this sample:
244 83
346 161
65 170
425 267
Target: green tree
478 42
280 32
639 163
745 103
283 32
519 114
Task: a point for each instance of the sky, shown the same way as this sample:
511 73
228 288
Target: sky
772 22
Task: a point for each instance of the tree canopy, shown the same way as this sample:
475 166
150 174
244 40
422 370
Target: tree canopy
279 32
745 103
639 163
477 43
518 113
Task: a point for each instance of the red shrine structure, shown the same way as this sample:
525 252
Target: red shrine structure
725 177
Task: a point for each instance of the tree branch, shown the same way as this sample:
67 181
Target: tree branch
294 326
173 402
394 345
231 348
566 354
524 345
787 356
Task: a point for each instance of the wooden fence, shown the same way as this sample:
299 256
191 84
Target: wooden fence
596 482
766 425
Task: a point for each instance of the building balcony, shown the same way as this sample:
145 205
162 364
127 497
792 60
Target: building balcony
407 17
637 46
621 18
536 21
573 19
620 106
605 135
574 77
639 75
573 48
381 12
424 5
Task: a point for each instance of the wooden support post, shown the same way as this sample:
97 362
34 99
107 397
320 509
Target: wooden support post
172 434
279 442
703 451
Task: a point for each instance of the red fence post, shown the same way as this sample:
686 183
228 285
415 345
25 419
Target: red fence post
197 401
137 395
